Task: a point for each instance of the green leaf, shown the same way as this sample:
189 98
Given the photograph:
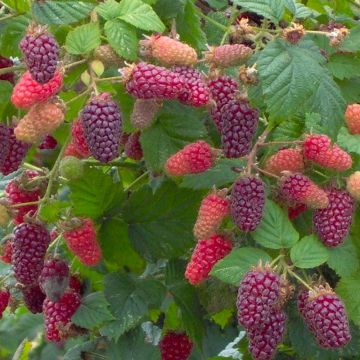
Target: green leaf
188 25
344 66
50 212
132 345
219 175
95 193
293 76
22 352
349 290
309 252
170 133
115 245
352 41
233 267
299 10
350 89
83 39
276 230
75 352
18 5
313 123
109 9
93 311
5 95
160 223
271 9
122 37
140 15
60 12
348 141
213 33
186 298
344 259
130 300
169 9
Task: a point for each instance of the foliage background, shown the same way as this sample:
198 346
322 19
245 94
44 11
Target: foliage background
145 221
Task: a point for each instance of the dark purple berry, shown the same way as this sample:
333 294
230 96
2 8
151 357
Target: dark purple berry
54 278
133 148
258 293
5 143
4 63
29 248
247 202
41 52
49 143
239 124
17 152
33 298
264 339
332 224
101 119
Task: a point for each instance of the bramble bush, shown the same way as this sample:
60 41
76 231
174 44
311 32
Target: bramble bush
179 179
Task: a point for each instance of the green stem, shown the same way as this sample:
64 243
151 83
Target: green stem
87 91
120 78
276 259
11 69
136 181
212 21
298 278
32 167
26 204
9 17
52 175
117 163
68 66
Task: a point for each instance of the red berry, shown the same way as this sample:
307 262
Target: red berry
16 193
213 209
54 279
4 63
42 119
285 160
33 298
4 301
48 143
228 55
296 210
302 300
147 81
318 149
27 92
329 322
332 223
206 254
41 52
133 148
168 51
29 248
6 251
352 118
258 294
247 202
223 89
353 185
83 243
175 346
144 113
263 340
57 315
101 119
75 284
73 150
194 158
299 189
239 124
78 138
196 92
15 156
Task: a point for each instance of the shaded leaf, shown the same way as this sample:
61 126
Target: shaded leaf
233 267
276 230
